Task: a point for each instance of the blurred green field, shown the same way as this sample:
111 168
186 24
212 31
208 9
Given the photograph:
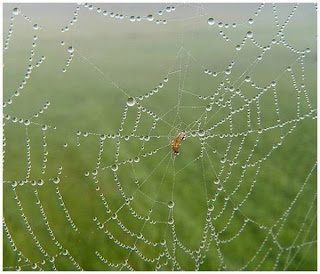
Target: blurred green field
112 53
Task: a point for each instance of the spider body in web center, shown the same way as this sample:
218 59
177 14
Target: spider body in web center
175 146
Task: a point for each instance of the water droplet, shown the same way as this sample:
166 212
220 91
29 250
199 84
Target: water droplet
131 101
44 127
114 167
103 137
35 26
56 180
223 160
211 207
247 79
250 21
15 11
132 19
201 133
211 21
52 259
150 17
27 122
216 181
70 49
136 159
171 204
249 34
238 47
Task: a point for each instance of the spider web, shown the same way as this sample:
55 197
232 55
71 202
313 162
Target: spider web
90 180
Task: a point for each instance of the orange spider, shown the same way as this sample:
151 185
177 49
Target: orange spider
175 146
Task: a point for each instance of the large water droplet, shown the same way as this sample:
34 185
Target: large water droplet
223 160
56 180
131 101
211 207
171 204
132 18
70 49
211 21
15 11
114 167
201 133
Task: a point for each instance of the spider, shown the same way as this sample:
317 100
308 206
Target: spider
175 146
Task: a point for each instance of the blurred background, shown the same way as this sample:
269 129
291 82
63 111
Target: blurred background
72 178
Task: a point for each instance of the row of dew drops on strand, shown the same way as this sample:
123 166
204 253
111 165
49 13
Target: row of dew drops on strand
211 21
131 18
36 27
16 11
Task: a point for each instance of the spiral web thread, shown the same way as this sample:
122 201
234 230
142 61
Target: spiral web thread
224 195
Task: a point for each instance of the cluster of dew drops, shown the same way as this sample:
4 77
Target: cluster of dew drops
211 21
132 18
16 11
131 101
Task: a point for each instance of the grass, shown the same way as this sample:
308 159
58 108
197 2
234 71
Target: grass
136 57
